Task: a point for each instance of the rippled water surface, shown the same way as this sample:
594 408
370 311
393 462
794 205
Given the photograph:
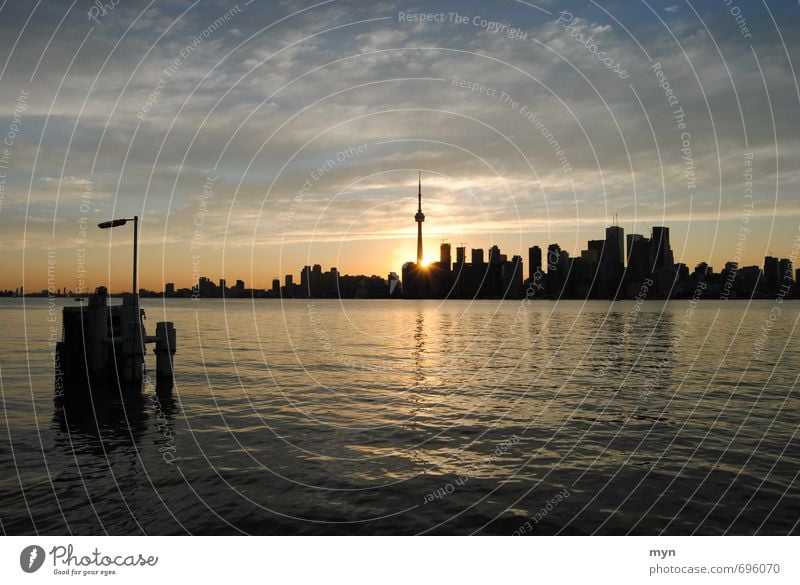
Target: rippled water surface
410 417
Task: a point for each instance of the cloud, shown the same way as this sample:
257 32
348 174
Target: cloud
555 139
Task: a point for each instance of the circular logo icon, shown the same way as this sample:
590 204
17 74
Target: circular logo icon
31 558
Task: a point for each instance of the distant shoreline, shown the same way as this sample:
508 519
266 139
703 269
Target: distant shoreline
296 299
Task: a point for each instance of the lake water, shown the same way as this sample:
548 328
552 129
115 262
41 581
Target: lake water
317 417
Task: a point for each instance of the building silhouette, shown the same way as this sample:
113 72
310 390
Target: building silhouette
618 266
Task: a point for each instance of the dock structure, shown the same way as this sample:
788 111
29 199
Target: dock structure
102 349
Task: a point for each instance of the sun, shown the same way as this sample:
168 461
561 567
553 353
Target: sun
426 262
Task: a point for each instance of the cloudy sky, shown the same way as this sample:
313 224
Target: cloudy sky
254 138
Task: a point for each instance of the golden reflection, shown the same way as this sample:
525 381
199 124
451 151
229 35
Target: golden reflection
419 350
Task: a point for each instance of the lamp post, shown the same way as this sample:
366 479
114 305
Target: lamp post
118 222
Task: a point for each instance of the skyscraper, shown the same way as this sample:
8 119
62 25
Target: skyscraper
553 256
305 281
771 272
612 262
461 253
615 247
315 280
534 261
444 256
660 250
785 269
495 256
639 266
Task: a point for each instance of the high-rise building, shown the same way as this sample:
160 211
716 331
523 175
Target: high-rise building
276 287
639 266
660 250
169 288
785 270
315 281
771 272
630 239
615 245
553 257
330 283
534 261
495 256
461 255
612 262
444 256
511 278
477 256
596 246
207 288
305 281
555 276
590 257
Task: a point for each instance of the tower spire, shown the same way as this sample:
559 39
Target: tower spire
419 218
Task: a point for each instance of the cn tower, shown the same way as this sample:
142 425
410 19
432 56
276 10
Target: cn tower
419 218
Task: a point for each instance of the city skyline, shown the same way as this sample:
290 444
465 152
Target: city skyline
618 266
113 250
619 253
512 150
339 267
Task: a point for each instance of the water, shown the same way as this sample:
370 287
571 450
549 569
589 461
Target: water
319 417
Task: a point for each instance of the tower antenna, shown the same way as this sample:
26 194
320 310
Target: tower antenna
419 218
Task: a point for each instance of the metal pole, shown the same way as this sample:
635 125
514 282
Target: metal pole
135 252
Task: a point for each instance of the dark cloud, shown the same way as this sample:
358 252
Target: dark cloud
151 99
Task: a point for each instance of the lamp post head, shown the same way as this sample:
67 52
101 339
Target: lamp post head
112 223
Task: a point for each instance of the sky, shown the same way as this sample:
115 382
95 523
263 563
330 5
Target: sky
255 138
